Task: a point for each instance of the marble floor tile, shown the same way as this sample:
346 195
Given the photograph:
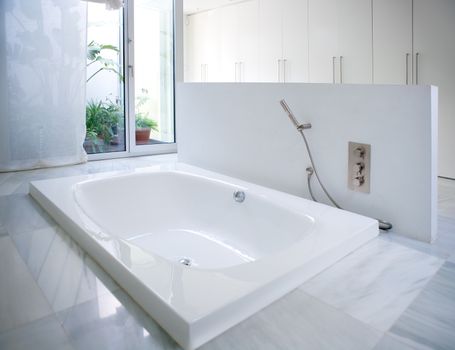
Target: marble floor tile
113 322
3 230
42 334
443 247
297 321
393 342
376 283
430 320
21 300
20 213
65 273
10 184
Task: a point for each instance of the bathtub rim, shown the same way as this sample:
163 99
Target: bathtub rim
191 332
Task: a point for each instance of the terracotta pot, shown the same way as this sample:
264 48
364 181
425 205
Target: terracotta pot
142 136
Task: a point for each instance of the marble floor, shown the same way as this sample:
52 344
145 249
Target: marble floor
392 293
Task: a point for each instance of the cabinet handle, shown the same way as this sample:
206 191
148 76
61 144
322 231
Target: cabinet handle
333 69
417 68
284 70
235 71
407 69
279 70
341 69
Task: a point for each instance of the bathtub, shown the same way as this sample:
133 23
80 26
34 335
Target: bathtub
195 258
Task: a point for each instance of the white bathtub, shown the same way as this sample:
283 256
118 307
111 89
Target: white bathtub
145 227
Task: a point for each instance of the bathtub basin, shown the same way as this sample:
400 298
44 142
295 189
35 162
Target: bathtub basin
196 259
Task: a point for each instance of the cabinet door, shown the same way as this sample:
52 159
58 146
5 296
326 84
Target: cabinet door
295 40
434 28
323 40
392 41
225 28
197 47
246 27
270 40
355 41
213 46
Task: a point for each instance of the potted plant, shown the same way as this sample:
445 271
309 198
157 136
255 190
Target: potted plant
102 120
143 128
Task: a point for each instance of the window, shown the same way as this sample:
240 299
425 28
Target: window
130 78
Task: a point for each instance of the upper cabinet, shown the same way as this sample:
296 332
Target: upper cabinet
295 41
283 41
392 41
340 41
221 44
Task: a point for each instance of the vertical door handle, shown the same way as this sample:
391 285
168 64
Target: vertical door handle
333 69
341 69
279 70
235 71
240 71
417 68
407 69
284 70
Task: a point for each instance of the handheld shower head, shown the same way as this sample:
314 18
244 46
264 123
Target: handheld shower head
291 116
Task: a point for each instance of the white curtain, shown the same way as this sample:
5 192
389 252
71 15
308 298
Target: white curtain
42 83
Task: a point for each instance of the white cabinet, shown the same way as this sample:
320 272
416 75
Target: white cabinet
223 44
270 40
434 63
340 41
201 48
283 41
355 41
246 60
295 41
323 41
392 41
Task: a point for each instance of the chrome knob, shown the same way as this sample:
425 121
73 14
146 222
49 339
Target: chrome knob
239 196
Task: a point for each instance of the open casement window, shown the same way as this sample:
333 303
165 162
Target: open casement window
130 77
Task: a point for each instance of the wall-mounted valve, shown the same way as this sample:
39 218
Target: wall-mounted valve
359 167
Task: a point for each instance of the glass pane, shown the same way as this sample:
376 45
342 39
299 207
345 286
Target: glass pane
153 71
105 117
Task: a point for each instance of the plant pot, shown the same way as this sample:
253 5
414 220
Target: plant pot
142 136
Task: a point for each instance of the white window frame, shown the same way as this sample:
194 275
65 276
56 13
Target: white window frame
131 149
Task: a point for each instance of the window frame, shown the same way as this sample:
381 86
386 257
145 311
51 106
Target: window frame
131 149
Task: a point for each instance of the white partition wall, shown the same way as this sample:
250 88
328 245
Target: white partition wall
240 130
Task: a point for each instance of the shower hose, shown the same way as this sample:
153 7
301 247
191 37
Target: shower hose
383 225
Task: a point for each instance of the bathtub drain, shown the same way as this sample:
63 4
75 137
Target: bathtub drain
185 261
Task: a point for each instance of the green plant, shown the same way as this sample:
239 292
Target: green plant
101 119
142 117
94 55
144 123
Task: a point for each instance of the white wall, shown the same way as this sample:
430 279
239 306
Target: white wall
241 130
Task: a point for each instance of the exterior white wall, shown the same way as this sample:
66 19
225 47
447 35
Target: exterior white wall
240 130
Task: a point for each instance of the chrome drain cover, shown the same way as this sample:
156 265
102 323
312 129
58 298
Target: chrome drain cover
185 261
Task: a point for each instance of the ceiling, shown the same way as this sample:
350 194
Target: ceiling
192 6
